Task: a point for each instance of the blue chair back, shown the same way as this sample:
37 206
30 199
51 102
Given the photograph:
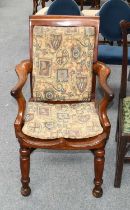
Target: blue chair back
111 13
64 7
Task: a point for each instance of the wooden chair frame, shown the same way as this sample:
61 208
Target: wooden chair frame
122 139
95 144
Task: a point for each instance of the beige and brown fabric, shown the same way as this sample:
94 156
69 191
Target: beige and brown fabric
50 121
62 63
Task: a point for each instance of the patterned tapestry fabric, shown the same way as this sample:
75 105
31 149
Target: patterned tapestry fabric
50 121
126 115
62 63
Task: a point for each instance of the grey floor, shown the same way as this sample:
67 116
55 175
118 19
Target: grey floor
59 180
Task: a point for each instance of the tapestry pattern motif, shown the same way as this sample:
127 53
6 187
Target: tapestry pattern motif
62 63
50 121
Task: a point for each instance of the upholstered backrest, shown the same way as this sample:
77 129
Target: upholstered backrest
63 50
62 63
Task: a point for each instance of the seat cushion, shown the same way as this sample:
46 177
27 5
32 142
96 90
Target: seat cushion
50 121
111 54
126 115
62 63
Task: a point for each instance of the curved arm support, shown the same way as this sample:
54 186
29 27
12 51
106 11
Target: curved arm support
103 73
22 70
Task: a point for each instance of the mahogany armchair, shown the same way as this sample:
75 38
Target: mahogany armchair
62 112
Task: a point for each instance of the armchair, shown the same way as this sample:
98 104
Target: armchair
62 112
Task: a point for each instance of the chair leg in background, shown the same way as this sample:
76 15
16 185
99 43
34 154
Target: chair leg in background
117 129
129 76
99 160
25 169
95 4
81 4
121 149
35 5
43 3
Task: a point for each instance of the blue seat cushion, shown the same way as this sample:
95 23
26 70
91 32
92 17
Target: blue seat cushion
111 54
64 7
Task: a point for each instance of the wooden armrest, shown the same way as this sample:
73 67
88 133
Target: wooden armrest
103 73
22 71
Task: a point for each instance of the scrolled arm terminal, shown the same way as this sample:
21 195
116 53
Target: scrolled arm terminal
22 70
103 72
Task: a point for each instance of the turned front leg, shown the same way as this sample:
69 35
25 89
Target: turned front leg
99 160
25 169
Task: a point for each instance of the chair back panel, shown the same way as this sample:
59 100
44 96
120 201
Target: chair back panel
62 62
63 7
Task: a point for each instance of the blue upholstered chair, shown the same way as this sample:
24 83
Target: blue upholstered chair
64 7
111 13
112 54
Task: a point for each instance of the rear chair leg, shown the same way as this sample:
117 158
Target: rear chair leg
35 5
99 160
117 130
121 149
43 3
25 169
117 125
